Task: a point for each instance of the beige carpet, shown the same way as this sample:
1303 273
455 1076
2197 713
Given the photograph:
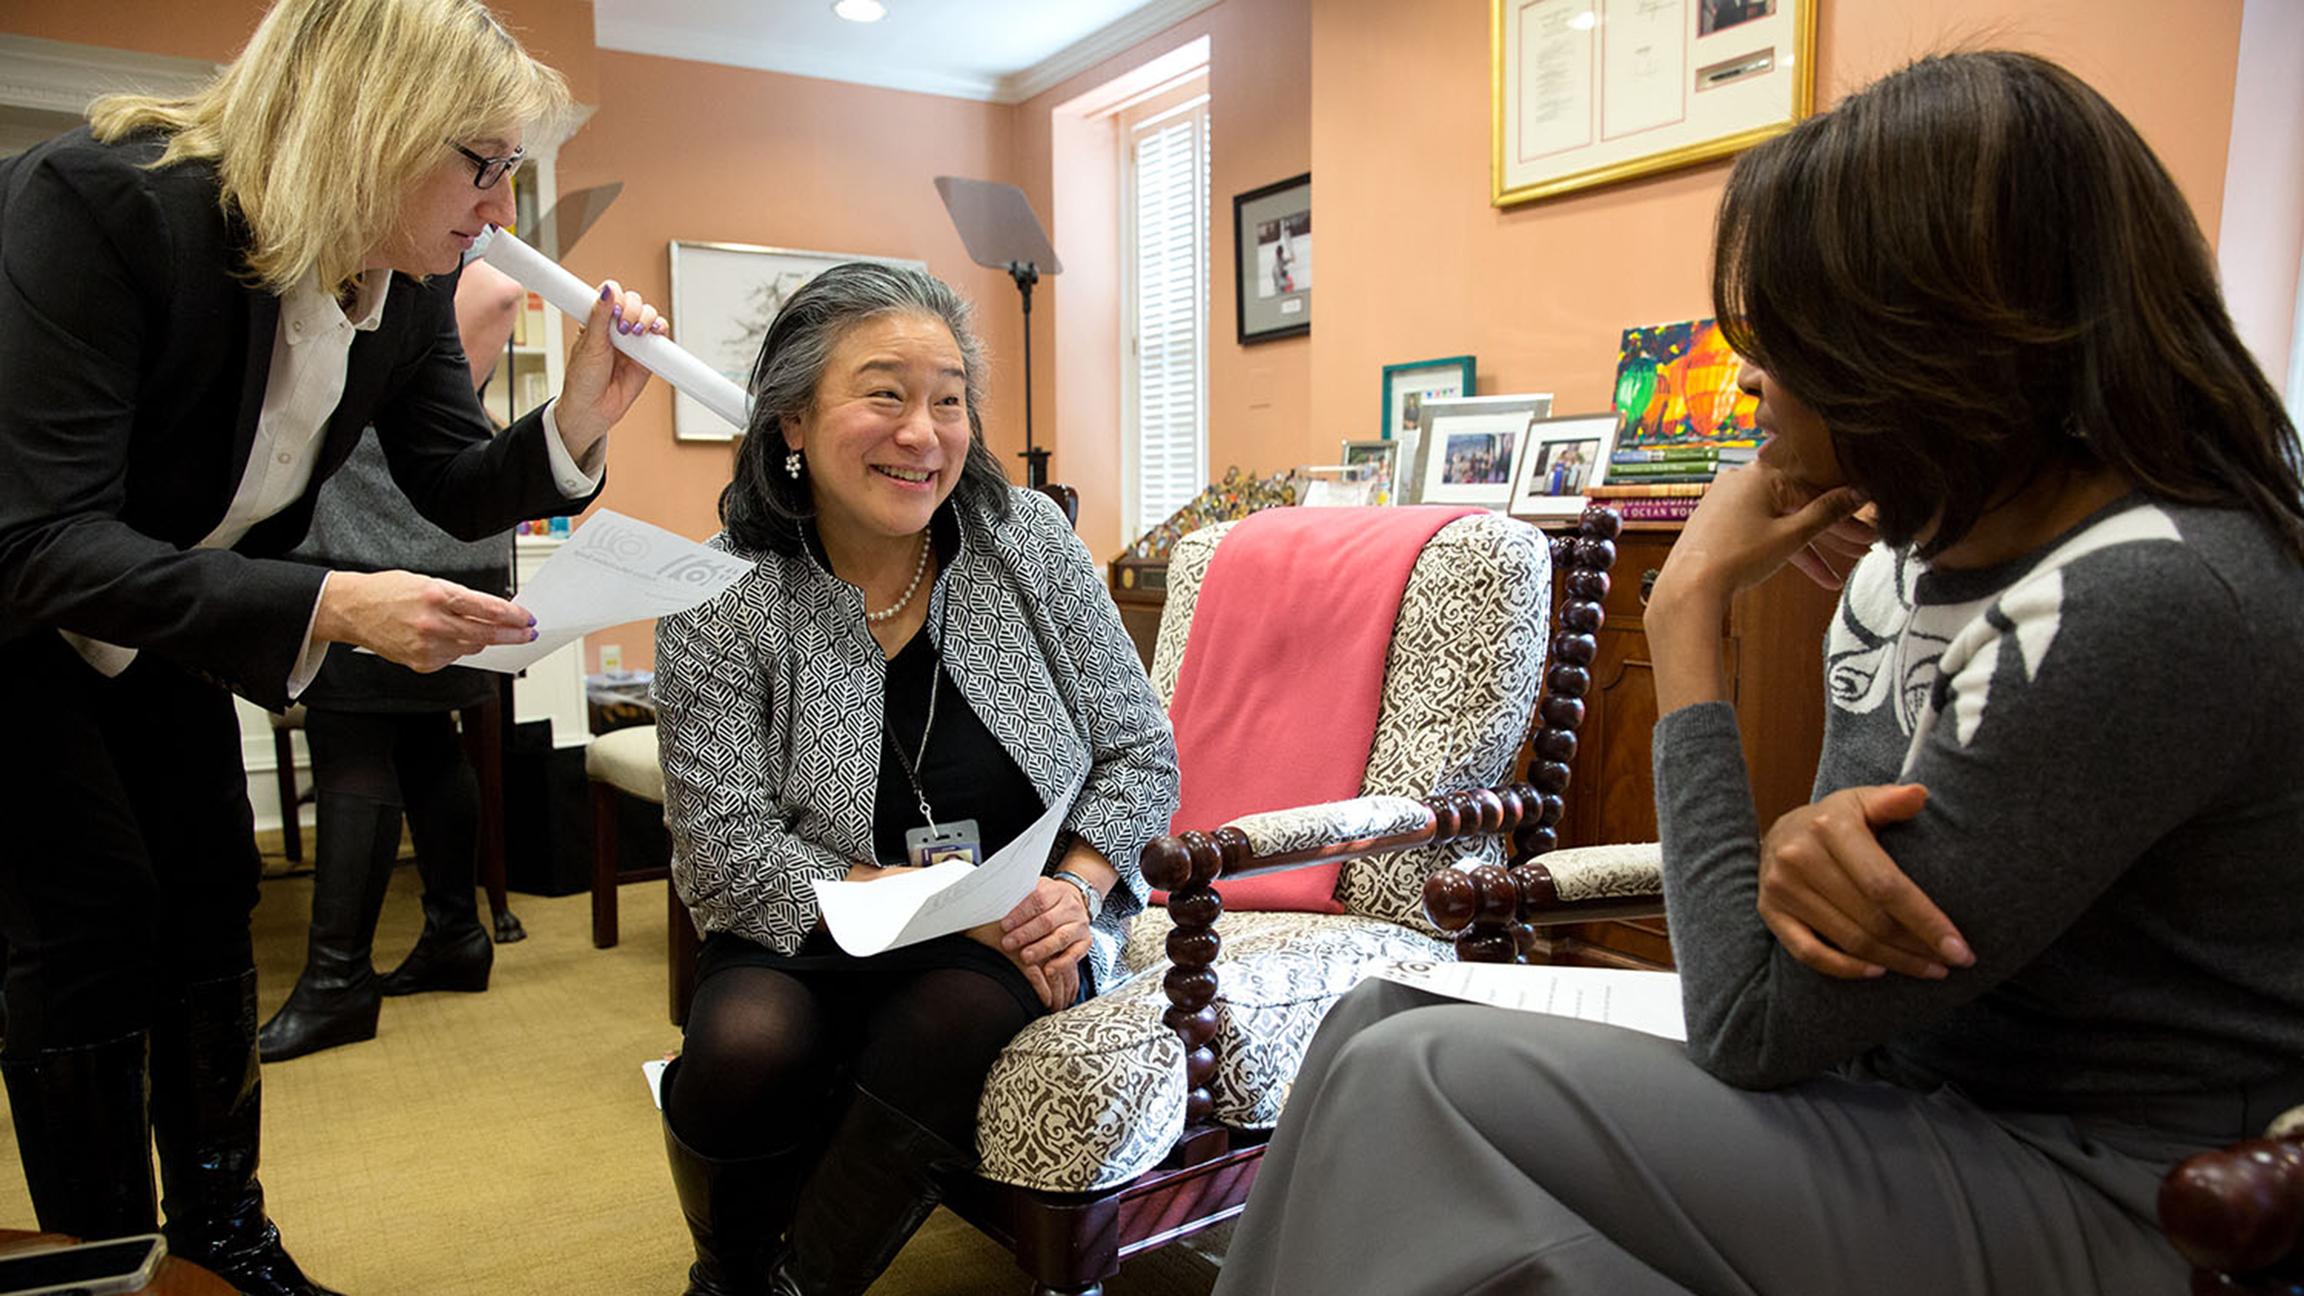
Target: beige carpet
505 1143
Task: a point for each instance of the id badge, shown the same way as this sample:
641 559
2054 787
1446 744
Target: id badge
958 840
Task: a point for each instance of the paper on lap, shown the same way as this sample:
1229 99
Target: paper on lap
661 356
1641 1001
613 569
913 905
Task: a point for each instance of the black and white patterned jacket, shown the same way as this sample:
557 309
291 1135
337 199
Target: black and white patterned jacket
769 701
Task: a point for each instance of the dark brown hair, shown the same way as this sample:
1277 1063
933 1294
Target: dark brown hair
1975 271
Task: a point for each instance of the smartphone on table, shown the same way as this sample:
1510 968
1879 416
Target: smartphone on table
105 1268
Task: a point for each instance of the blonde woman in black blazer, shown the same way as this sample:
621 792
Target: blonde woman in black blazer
206 300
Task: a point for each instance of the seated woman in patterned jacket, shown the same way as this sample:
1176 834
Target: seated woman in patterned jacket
920 644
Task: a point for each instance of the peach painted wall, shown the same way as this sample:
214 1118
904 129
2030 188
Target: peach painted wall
1260 130
1413 262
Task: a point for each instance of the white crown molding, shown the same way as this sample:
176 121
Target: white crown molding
60 76
772 56
1093 49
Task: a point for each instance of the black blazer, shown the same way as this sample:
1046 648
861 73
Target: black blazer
133 360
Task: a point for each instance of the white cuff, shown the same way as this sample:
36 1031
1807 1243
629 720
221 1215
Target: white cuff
308 662
575 480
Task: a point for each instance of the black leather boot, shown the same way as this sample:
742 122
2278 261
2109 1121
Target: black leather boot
879 1179
336 1000
738 1210
84 1134
207 1104
455 952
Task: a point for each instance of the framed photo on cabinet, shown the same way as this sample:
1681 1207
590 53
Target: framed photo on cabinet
1408 386
1560 459
1466 448
1272 260
1589 92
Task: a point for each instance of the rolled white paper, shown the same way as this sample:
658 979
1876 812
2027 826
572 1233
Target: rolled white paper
661 356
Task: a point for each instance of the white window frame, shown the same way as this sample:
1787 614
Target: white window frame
1185 99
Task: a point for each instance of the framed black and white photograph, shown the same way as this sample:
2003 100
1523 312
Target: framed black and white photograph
1407 386
1381 459
724 296
1272 260
1467 448
1560 460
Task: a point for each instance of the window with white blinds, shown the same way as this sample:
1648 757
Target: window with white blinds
1165 394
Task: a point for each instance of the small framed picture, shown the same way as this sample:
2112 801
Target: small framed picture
1382 459
1408 386
1467 448
1560 459
1272 260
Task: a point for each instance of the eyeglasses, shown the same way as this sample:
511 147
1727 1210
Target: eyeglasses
486 171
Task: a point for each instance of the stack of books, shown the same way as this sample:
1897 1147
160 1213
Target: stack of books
1663 482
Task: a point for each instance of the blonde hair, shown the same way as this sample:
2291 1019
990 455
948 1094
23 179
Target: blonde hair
323 125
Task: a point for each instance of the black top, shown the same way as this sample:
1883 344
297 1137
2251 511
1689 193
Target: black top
965 770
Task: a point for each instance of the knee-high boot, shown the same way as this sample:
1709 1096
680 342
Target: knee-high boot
207 1105
879 1179
84 1134
336 999
737 1208
455 951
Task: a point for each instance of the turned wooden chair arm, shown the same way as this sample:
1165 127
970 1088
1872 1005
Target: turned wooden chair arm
1187 865
1495 913
2237 1213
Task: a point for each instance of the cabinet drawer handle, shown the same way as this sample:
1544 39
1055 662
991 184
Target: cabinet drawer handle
1648 584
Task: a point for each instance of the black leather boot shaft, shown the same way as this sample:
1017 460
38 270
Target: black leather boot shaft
207 1114
336 1000
875 1186
84 1135
455 951
737 1210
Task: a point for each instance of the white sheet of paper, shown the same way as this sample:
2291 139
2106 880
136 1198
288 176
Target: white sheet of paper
906 908
1641 1001
613 569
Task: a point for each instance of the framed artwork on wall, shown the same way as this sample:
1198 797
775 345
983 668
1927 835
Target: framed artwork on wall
1560 459
1467 446
1589 92
1408 386
1272 260
724 296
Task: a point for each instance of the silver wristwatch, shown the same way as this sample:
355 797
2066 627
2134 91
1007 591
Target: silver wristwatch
1089 895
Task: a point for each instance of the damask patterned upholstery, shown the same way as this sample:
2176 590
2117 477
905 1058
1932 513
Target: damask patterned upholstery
1094 1096
1620 871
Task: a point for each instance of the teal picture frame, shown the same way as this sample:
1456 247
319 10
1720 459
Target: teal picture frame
1408 385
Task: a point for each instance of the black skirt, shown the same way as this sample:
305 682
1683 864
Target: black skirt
821 957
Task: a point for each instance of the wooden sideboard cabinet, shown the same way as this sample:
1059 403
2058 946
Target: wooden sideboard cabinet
1773 647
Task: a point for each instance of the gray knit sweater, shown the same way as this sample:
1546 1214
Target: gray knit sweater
2111 730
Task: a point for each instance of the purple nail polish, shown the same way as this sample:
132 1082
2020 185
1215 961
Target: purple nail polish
534 635
607 293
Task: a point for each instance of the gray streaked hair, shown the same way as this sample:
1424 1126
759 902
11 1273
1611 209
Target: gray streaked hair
764 507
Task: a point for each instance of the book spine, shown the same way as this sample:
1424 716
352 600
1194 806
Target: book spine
1654 510
1681 470
1713 452
1647 490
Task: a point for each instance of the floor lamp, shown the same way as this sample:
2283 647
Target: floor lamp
998 226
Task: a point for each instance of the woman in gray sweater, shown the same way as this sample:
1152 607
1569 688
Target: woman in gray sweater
2036 938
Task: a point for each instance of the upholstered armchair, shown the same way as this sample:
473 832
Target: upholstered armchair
1138 1118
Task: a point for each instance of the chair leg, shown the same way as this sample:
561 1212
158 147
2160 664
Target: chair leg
680 945
603 866
284 769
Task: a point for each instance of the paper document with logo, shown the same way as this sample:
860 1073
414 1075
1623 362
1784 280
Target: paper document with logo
613 569
1641 1001
913 905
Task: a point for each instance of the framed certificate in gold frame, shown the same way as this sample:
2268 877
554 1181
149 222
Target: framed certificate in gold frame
1589 92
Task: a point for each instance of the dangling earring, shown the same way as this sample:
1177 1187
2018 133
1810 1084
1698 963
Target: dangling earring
792 465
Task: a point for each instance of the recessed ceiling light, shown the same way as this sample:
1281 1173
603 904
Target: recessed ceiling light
861 10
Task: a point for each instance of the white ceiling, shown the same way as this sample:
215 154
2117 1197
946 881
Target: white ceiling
1004 51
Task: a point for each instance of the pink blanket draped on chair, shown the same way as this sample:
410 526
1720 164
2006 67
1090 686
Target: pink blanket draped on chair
1283 674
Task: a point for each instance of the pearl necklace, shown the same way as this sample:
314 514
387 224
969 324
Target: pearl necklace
904 600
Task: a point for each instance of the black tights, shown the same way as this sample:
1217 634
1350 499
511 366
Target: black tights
413 761
767 1050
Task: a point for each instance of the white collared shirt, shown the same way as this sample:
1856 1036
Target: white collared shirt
311 350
